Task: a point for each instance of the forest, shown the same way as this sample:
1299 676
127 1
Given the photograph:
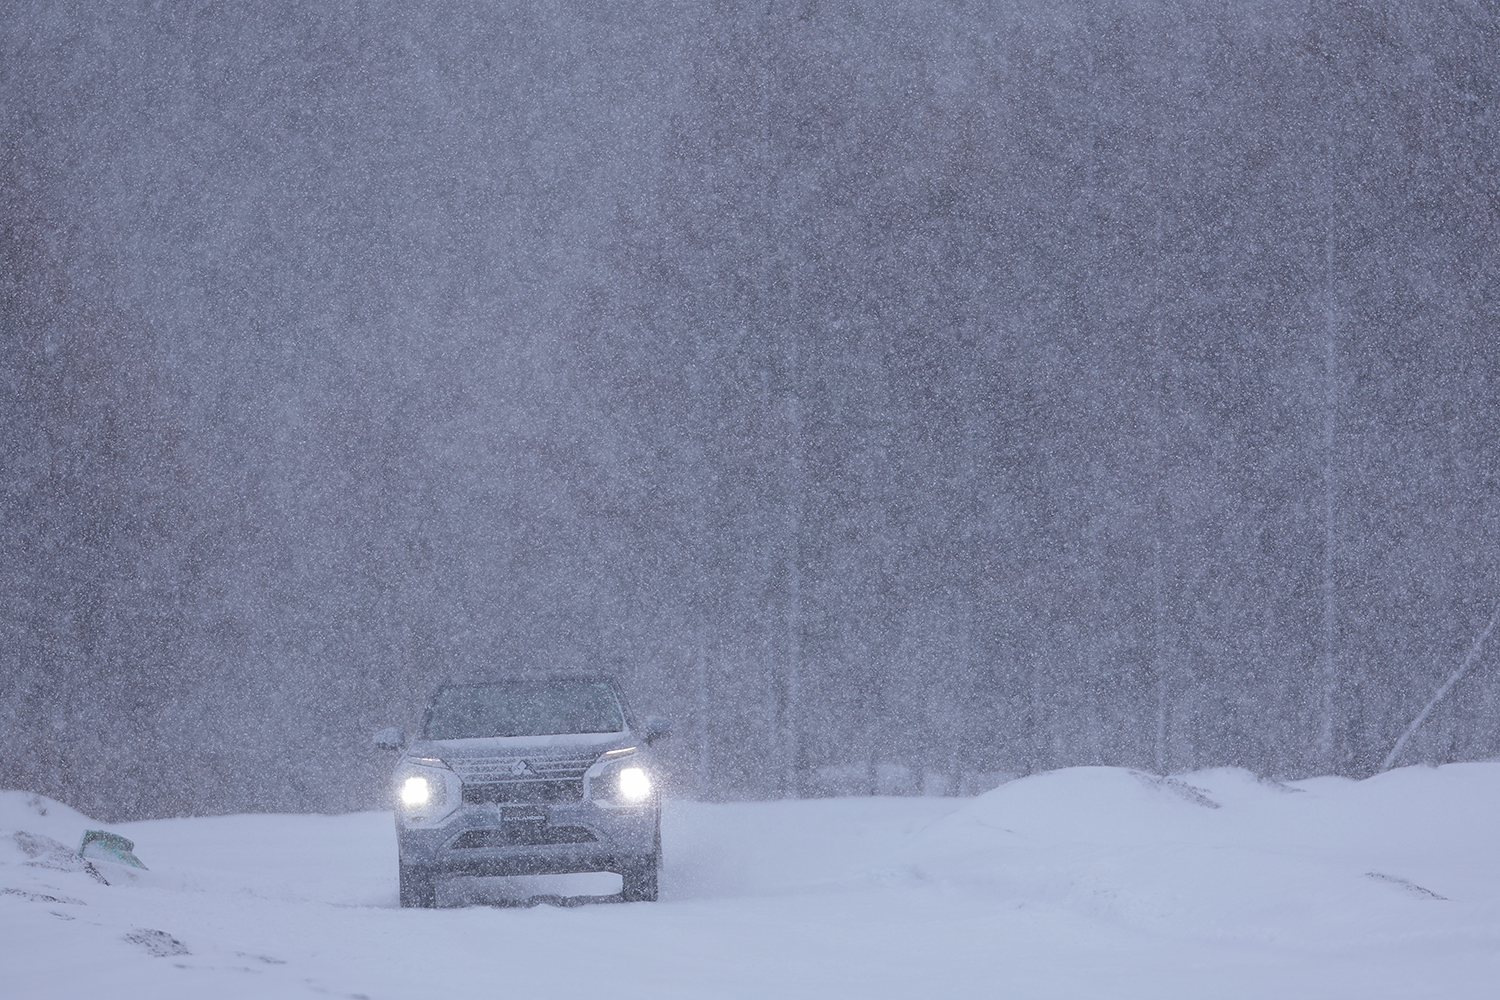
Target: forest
896 395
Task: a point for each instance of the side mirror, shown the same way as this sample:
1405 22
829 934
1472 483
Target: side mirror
657 728
390 739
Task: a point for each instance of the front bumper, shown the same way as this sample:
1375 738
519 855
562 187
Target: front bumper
531 839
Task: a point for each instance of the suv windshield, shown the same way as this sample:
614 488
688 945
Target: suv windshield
523 708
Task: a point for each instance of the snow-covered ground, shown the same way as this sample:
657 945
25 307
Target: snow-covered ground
1087 882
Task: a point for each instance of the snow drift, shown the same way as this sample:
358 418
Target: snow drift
1097 882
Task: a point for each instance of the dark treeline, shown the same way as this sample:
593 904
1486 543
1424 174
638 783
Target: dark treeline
895 394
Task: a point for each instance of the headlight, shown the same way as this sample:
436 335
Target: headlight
415 791
634 785
426 789
620 779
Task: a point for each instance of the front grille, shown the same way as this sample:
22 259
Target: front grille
525 791
523 834
531 778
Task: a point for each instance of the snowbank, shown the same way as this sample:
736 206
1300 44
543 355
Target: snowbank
1097 882
1221 855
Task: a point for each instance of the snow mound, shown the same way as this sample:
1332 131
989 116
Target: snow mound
38 815
39 835
1223 854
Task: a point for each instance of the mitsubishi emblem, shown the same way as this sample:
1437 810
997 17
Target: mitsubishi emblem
522 769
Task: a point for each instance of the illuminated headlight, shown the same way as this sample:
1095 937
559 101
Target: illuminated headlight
425 787
415 791
634 784
619 779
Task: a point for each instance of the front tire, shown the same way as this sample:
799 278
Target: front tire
418 887
638 881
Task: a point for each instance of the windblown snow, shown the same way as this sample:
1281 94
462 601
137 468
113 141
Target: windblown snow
1085 882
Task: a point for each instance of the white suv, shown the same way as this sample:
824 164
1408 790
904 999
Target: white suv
526 777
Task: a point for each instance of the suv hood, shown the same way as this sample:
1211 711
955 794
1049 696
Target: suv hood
520 746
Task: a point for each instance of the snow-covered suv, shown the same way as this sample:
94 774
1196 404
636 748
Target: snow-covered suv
527 777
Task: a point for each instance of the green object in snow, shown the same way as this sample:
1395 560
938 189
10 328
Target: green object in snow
108 846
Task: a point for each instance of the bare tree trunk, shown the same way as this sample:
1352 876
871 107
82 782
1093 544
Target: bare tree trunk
704 709
785 341
1453 679
1159 746
1327 749
1159 512
792 719
1328 688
